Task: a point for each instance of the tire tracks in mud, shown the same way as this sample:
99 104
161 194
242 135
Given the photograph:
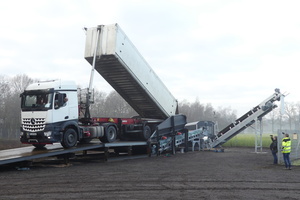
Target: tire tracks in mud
97 186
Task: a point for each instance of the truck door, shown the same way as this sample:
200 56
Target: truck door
61 110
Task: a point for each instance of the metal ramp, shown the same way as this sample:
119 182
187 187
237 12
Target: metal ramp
247 119
30 153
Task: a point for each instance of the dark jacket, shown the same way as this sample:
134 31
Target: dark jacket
273 145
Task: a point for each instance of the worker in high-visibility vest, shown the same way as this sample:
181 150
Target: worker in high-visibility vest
286 150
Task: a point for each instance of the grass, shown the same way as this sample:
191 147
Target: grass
247 140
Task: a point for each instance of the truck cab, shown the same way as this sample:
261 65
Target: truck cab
49 109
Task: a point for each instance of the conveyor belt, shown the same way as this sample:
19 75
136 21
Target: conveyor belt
247 119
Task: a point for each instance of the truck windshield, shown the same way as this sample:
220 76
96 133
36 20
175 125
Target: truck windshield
40 101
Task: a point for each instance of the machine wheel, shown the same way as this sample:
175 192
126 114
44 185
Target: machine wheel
110 135
39 146
146 133
69 138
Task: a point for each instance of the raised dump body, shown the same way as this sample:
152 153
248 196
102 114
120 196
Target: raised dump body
123 67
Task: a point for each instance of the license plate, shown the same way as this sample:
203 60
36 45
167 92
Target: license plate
32 134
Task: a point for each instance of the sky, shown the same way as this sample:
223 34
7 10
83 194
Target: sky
229 53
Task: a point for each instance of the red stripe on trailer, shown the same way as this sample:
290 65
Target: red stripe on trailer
115 120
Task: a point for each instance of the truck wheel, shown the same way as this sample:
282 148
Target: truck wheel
146 133
39 146
110 135
69 138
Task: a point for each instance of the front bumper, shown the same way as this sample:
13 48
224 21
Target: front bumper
35 138
40 137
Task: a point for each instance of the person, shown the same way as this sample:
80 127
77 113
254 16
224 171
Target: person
274 149
286 150
41 102
65 101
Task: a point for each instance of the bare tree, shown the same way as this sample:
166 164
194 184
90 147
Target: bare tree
116 106
194 111
274 115
5 94
184 108
198 112
10 89
4 87
20 82
297 116
98 107
225 116
209 112
290 112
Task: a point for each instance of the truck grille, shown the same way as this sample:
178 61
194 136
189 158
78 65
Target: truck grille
33 124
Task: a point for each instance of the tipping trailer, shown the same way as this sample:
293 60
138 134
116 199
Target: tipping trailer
51 109
122 66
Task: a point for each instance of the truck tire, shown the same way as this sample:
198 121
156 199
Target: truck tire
110 135
146 133
69 138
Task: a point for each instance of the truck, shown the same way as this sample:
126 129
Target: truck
50 110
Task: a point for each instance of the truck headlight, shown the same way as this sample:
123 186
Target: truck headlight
47 134
21 134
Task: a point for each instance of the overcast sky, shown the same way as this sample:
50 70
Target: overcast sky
230 53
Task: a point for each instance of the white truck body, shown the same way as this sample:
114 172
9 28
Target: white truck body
120 63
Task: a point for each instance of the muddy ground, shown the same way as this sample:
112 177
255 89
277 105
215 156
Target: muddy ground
237 173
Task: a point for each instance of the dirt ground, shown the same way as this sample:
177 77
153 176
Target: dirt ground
237 173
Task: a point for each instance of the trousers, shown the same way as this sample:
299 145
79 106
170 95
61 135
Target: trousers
275 160
287 161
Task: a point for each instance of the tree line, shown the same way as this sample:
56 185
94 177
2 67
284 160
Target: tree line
113 105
